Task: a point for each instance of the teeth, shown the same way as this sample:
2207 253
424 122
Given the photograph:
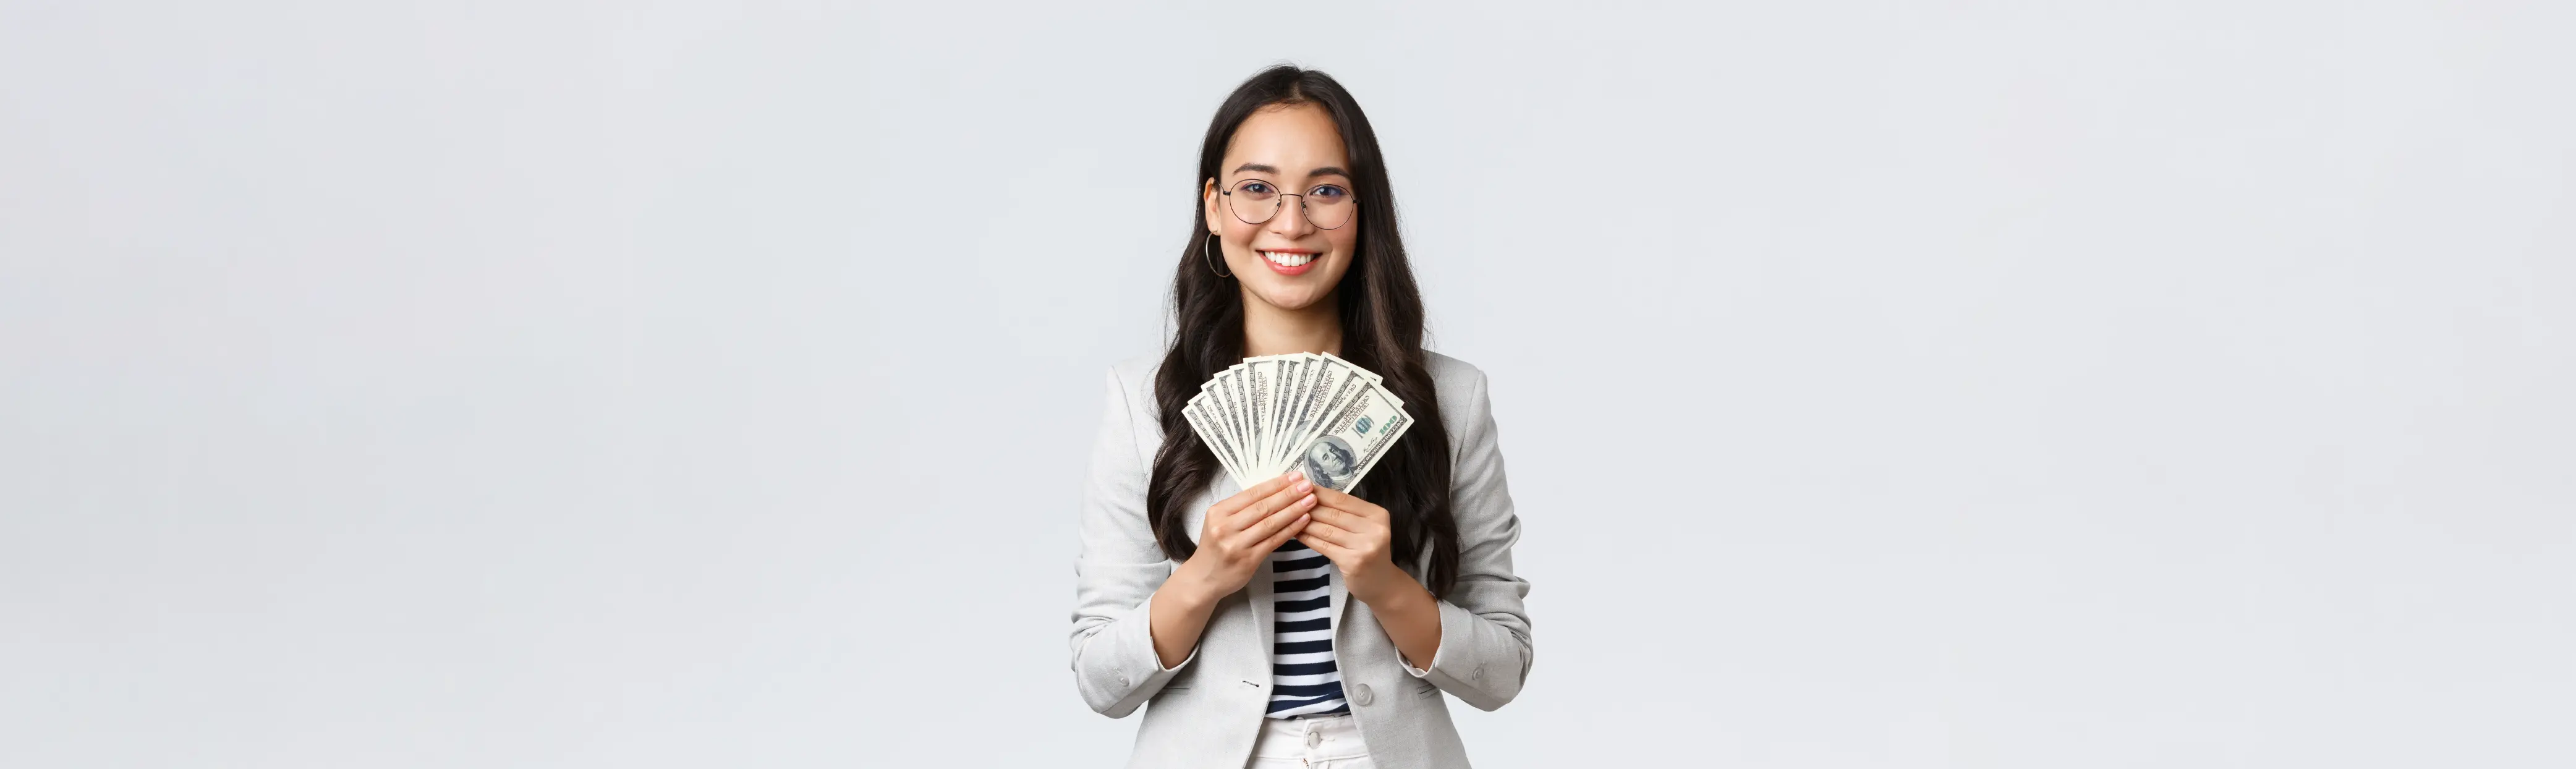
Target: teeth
1287 260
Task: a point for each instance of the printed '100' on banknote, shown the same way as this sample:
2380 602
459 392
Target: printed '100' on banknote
1353 439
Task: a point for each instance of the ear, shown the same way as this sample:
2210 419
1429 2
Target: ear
1207 199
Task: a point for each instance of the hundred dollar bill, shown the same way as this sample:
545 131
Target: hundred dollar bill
1297 410
1247 405
1263 376
1239 376
1354 438
1256 381
1332 391
1347 377
1372 375
1227 417
1292 373
1233 391
1212 438
1253 389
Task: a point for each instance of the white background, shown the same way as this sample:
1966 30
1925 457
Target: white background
624 384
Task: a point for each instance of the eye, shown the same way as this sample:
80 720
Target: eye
1257 188
1330 194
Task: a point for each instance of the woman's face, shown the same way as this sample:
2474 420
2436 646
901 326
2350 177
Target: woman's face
1286 262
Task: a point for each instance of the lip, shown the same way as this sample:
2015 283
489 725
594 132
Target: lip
1282 269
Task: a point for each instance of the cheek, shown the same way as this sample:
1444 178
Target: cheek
1237 243
1347 246
1239 234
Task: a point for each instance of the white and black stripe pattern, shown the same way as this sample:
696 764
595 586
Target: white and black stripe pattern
1303 677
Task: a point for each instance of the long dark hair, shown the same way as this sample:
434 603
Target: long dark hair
1381 315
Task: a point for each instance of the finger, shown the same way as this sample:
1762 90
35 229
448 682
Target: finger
1336 553
1246 497
1343 501
1336 535
1268 505
1343 519
1280 519
1295 526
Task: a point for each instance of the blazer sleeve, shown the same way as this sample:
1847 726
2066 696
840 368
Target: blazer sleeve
1117 572
1484 653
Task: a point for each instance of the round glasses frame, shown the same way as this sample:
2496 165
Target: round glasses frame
1346 210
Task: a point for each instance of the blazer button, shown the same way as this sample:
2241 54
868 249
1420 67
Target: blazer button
1122 680
1360 694
1478 674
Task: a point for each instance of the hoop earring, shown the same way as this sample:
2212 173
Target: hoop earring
1211 254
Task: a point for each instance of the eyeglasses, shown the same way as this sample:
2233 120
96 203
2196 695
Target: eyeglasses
1254 201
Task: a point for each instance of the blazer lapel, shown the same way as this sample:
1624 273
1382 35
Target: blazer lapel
1262 612
1341 606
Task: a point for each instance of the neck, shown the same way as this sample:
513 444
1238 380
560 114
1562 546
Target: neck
1270 330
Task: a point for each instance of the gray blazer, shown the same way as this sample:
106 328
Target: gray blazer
1207 711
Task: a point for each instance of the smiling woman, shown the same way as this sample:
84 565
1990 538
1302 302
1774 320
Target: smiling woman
1303 238
1289 624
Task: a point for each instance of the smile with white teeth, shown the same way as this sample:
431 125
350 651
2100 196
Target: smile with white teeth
1285 259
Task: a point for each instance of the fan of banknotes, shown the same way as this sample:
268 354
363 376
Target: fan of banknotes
1306 411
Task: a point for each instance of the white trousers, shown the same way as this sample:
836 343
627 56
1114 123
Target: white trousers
1313 742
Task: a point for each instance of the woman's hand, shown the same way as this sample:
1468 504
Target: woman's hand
1241 530
1237 536
1359 537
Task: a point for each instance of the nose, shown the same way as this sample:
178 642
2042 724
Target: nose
1291 219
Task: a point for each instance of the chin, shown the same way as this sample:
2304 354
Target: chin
1292 299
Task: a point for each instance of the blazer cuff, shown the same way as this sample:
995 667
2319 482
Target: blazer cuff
1135 672
1424 672
1455 667
1145 613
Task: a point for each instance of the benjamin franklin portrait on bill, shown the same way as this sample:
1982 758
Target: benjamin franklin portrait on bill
1331 463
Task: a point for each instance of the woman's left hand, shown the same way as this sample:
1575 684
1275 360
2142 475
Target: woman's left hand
1359 538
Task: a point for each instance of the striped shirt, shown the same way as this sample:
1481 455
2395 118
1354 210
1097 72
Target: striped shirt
1303 678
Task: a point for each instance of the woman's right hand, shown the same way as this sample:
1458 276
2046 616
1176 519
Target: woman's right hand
1241 530
1238 534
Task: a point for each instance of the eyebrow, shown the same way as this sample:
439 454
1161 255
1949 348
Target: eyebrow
1319 171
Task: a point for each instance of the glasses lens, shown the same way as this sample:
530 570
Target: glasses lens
1253 200
1329 206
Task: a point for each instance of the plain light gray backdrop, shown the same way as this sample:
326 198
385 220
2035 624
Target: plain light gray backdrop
619 384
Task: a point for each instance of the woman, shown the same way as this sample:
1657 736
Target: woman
1289 624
